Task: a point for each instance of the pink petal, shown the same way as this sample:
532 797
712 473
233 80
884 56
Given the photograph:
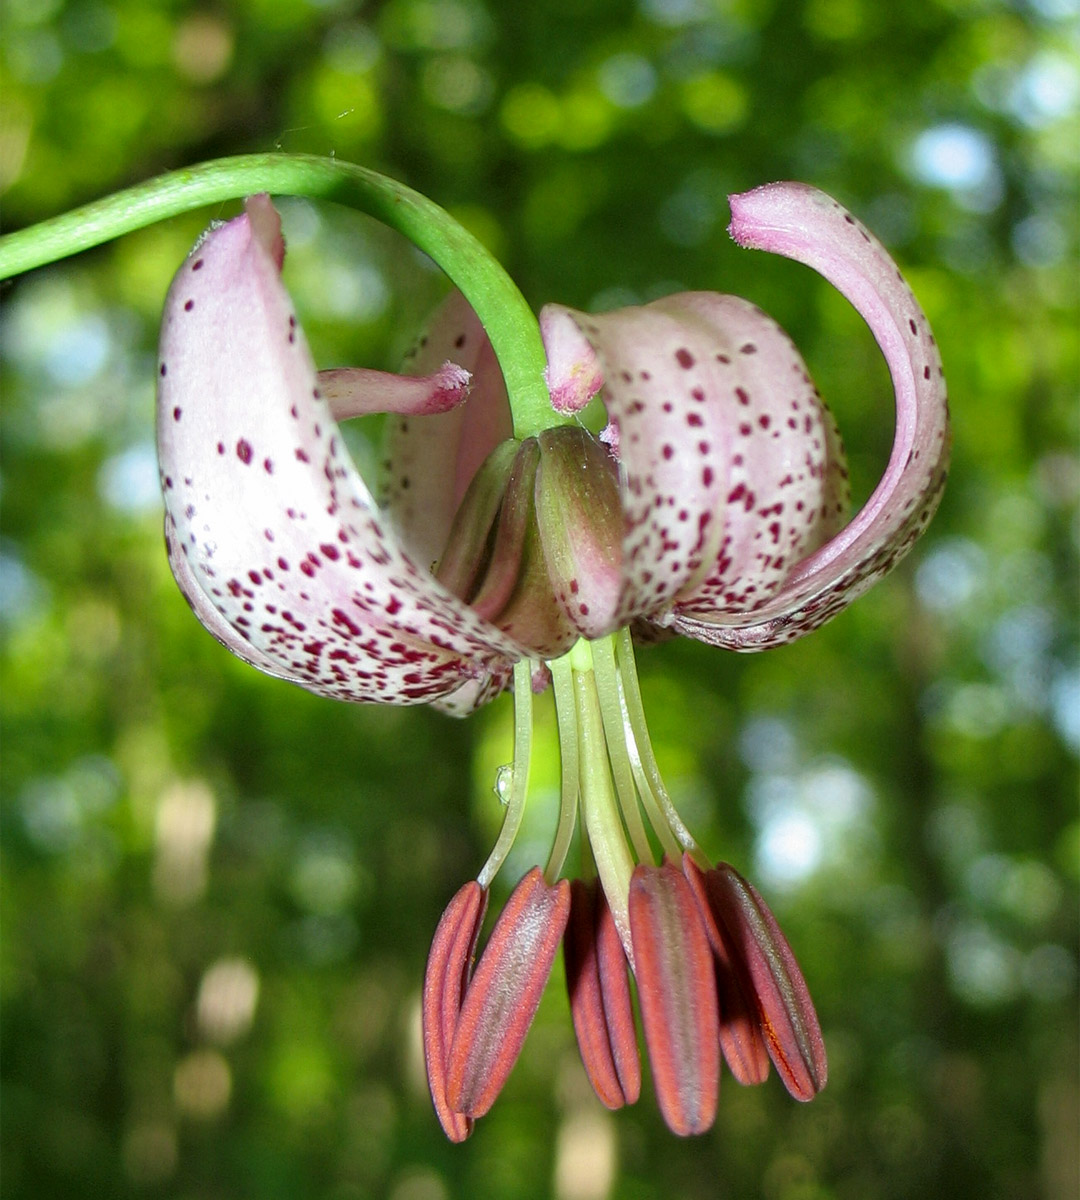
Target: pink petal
785 478
673 447
803 223
279 532
357 391
475 693
731 468
211 619
428 463
573 374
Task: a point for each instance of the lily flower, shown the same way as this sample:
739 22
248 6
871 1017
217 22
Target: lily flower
712 505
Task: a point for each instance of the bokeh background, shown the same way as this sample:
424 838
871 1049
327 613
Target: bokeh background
218 891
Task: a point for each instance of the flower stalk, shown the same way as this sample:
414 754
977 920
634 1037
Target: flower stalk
496 299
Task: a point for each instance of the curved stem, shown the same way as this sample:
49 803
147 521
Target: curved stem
503 311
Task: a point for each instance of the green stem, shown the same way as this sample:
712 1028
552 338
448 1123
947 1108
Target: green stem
519 777
503 311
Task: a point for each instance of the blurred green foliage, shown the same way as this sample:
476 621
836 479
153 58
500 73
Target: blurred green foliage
218 891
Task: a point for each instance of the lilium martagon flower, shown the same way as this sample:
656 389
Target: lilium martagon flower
713 504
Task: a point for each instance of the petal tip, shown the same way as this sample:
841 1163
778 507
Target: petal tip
573 375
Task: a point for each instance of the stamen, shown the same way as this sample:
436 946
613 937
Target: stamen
519 780
621 756
599 810
636 715
648 798
565 714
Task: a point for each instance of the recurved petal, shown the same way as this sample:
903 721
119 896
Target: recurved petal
573 373
677 993
276 528
428 462
504 993
212 620
787 1015
475 693
659 366
445 981
808 226
785 477
598 983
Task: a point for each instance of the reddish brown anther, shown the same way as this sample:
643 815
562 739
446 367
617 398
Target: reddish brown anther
677 991
599 986
741 1037
501 1000
445 982
788 1021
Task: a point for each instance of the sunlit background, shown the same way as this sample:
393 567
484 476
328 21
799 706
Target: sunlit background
218 891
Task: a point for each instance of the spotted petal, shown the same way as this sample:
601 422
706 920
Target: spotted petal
276 540
731 469
429 463
803 223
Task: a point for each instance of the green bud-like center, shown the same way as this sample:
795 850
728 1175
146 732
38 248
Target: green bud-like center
535 546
